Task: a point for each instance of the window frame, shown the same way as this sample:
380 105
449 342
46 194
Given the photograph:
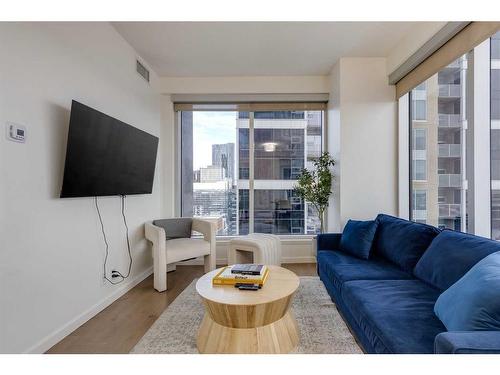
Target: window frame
225 107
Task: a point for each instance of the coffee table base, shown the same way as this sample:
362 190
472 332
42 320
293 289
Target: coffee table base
279 337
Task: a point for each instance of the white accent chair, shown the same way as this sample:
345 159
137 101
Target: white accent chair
258 248
178 249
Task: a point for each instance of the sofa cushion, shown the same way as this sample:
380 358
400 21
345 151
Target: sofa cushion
340 267
473 303
451 255
176 228
395 314
357 238
185 248
401 241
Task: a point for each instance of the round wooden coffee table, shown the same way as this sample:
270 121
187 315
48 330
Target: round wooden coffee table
243 321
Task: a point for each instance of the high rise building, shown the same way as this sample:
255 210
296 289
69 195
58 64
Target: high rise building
212 173
495 135
439 180
216 200
223 156
285 141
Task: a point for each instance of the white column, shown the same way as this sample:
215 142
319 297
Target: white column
481 98
467 93
404 157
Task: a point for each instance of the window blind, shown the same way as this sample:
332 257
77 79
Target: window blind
470 36
251 102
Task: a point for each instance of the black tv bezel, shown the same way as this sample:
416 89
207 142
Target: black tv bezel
62 195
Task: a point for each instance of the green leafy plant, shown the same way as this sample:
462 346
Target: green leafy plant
315 186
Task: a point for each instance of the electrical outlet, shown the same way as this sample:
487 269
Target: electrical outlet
115 273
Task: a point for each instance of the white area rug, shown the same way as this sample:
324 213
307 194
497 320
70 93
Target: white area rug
322 329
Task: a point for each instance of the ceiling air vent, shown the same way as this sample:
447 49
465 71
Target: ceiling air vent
141 69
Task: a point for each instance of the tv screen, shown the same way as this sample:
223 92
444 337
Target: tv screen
105 156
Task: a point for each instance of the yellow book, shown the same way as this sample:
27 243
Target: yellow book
225 277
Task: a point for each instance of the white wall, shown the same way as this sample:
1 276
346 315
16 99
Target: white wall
244 85
362 115
51 250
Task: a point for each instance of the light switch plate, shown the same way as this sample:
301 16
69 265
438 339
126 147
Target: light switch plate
15 132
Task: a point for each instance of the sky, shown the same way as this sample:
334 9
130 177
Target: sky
211 128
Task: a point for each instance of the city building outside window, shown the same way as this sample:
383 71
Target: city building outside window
419 102
437 148
419 170
419 206
244 182
495 134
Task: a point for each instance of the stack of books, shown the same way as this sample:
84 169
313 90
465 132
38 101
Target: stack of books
242 276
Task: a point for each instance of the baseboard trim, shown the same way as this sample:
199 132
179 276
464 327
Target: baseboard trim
49 341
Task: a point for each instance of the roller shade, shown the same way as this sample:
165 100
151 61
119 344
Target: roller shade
463 42
242 102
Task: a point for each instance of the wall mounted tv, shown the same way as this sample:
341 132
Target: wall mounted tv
105 156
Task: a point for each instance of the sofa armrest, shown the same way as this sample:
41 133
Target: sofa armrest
328 241
467 342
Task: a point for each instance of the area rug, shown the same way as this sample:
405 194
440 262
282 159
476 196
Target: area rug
322 329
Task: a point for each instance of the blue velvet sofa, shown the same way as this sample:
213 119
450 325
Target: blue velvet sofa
388 299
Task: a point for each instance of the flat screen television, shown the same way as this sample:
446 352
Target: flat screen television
105 156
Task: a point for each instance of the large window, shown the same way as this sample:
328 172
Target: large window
240 168
452 148
450 158
438 145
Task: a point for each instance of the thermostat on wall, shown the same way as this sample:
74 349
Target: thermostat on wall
16 133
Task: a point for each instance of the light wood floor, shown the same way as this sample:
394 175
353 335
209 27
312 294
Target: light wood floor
121 325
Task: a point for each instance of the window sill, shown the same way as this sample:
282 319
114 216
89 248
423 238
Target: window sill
283 238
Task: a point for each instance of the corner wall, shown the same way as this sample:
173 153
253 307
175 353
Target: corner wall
363 137
51 249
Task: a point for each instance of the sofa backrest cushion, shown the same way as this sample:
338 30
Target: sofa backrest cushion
401 241
357 238
450 256
180 227
472 303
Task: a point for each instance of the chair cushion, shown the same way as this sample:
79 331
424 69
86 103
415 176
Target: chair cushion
176 227
340 267
357 238
473 303
450 256
186 248
401 241
395 314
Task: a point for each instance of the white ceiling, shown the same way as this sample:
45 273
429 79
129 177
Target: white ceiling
184 49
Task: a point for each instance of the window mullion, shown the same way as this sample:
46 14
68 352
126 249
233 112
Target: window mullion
404 157
251 163
480 117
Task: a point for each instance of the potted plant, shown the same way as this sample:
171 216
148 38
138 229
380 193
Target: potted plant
315 186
